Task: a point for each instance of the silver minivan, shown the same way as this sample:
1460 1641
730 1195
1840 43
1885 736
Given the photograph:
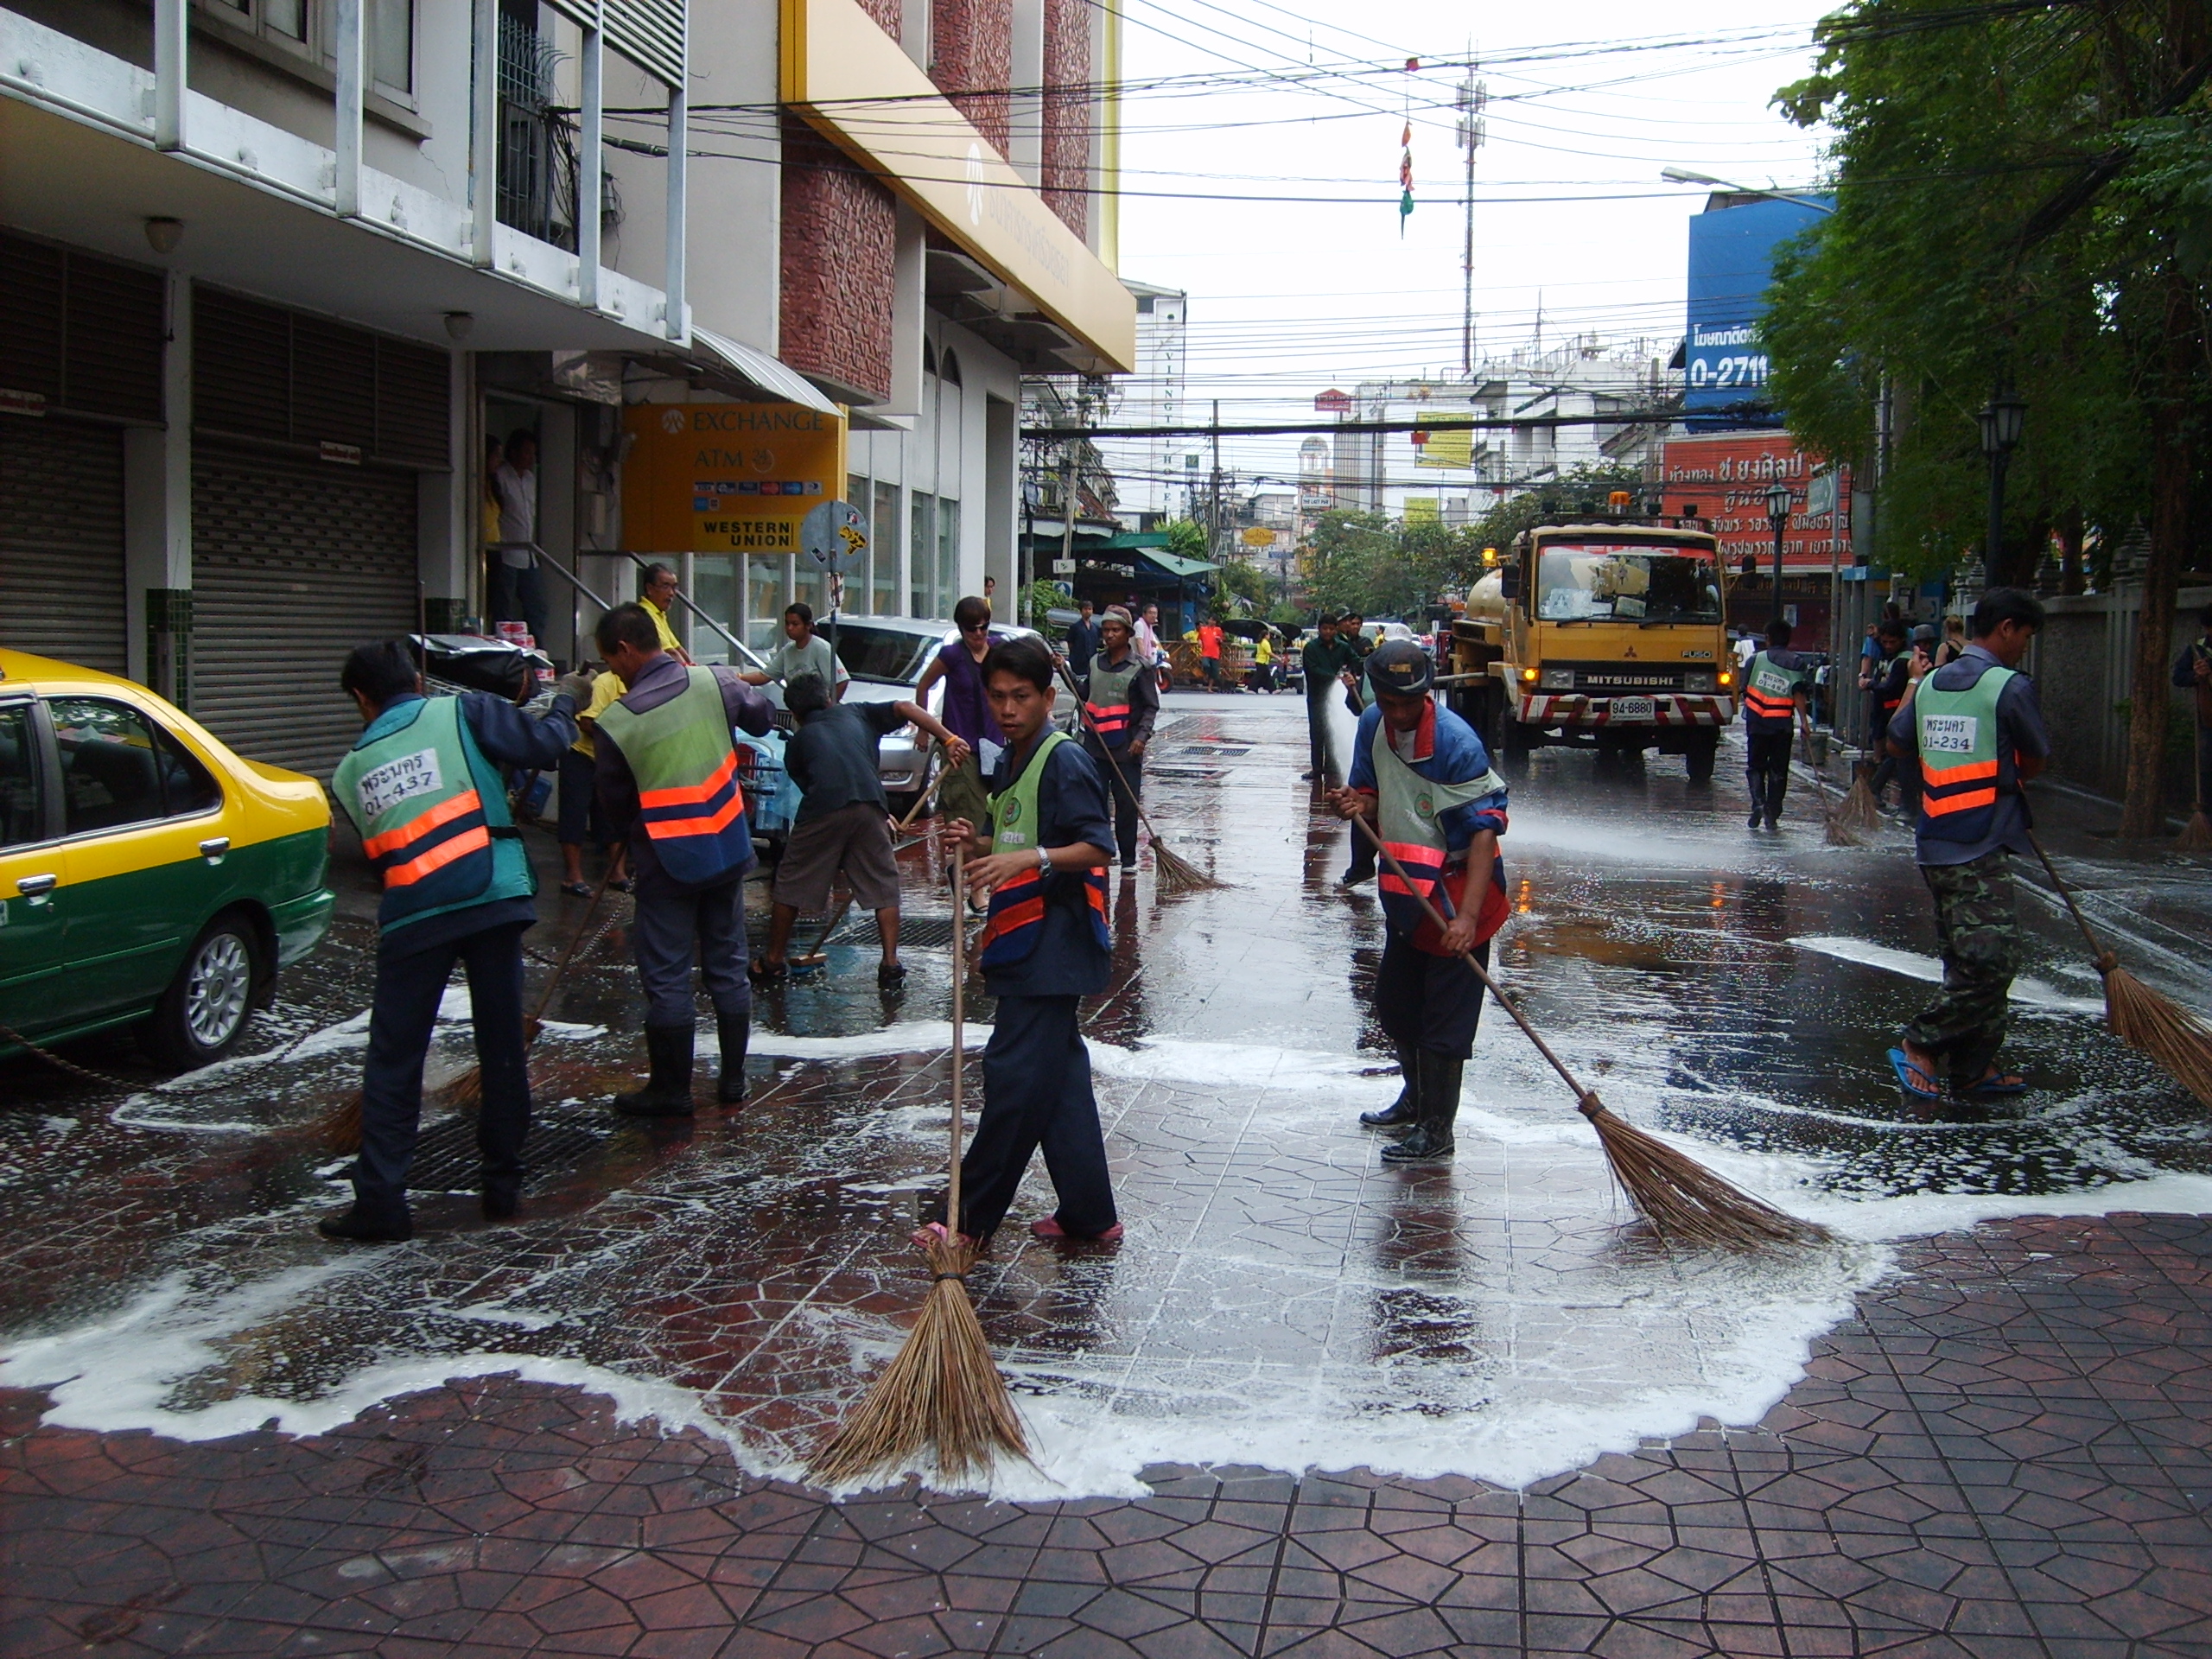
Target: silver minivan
885 656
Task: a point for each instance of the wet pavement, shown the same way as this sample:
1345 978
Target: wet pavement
1310 1403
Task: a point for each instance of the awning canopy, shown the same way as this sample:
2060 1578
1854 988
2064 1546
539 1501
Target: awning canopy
777 381
1174 564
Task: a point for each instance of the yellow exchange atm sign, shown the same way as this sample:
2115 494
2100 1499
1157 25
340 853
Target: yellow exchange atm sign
726 478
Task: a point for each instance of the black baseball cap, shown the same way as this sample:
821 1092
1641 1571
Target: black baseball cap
1400 668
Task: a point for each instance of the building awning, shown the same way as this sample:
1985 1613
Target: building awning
1174 564
1140 538
779 382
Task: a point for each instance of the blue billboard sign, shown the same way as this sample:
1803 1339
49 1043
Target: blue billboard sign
1732 264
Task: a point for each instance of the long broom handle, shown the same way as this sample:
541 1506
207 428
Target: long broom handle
1112 765
575 943
931 780
959 1029
2105 959
1586 1099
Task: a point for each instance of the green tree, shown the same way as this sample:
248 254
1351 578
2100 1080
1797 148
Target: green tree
1582 488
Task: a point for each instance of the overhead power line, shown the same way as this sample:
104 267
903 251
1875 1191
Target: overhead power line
1441 424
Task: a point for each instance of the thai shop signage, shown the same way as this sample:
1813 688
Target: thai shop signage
726 478
1723 481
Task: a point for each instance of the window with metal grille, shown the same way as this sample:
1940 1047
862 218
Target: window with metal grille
83 332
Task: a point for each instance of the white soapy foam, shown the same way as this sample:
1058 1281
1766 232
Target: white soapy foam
134 1114
2029 992
908 1037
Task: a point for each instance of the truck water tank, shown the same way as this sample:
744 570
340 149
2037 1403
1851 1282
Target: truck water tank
1487 602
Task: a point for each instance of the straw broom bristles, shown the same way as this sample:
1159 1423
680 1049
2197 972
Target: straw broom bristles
1859 812
1684 1202
1839 833
941 1391
2178 1039
2195 834
1173 874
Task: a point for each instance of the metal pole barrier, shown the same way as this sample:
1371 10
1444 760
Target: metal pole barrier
688 604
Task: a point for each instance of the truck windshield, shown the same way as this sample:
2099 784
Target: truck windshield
1588 582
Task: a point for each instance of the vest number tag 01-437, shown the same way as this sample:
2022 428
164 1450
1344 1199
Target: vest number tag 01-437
1949 734
385 786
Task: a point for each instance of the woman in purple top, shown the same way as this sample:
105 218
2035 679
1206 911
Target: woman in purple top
967 712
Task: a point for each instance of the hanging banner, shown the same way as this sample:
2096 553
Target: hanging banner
726 478
1450 447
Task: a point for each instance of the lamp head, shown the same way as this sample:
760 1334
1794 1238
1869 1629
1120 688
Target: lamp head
2003 418
1777 500
164 234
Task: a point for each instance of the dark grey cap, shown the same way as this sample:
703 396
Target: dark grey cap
1400 668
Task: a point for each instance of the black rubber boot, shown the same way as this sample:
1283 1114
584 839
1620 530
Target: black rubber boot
1401 1113
1431 1139
369 1224
502 1200
735 1030
667 1093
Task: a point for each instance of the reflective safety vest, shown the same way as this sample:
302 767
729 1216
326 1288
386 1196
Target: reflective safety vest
1108 702
1962 770
432 812
1771 690
685 764
1409 813
1016 920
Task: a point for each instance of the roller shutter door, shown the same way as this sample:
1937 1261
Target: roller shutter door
62 573
294 563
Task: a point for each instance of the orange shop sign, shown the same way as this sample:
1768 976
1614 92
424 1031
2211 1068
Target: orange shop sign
726 478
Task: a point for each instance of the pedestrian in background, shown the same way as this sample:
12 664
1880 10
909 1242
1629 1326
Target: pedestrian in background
1352 632
1973 729
518 589
1884 694
1149 647
1264 663
1954 644
844 824
1123 699
1210 655
962 794
803 651
657 598
2193 674
1326 663
1777 681
422 786
667 778
1422 781
1041 859
1081 642
582 818
487 505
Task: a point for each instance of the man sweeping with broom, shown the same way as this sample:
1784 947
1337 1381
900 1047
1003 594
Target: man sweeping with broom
1974 729
1422 778
424 787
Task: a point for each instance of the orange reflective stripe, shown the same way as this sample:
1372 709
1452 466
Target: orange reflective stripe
469 840
1026 913
1760 703
1936 806
691 794
416 828
712 823
1942 776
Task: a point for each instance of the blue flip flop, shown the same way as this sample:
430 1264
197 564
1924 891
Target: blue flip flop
1925 1088
1993 1082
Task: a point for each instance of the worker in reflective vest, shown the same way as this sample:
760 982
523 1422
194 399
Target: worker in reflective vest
1122 697
1974 733
424 787
666 770
1777 681
1046 945
1422 780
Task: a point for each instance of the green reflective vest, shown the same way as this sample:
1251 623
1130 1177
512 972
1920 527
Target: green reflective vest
684 760
1016 920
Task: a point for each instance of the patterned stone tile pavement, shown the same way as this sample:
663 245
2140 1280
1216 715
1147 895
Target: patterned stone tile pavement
2007 1452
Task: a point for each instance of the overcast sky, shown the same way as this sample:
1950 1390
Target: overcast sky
1588 100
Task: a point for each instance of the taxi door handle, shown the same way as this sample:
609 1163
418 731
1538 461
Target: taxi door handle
36 887
213 848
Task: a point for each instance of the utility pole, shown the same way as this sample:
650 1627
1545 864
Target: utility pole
1213 505
1474 95
1067 530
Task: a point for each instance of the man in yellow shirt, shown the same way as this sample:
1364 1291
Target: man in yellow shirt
580 813
659 595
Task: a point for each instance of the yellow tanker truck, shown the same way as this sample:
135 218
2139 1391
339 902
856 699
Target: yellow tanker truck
1605 635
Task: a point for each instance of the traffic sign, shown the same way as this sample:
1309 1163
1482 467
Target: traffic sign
834 536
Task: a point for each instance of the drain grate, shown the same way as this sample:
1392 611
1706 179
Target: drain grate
922 931
1224 751
446 1159
1195 774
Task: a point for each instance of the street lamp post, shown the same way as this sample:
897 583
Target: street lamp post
2003 418
1777 514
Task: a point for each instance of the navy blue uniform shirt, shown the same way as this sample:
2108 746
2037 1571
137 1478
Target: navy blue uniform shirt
1071 806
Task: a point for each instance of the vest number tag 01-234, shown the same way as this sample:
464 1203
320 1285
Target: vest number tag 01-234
385 786
1949 734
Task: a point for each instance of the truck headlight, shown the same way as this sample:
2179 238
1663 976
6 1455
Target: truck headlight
1697 682
1559 679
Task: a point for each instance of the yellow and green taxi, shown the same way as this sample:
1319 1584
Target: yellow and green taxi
149 877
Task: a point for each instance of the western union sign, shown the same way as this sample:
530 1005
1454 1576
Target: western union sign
726 478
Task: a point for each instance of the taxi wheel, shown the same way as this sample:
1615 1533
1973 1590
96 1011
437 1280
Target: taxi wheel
203 1013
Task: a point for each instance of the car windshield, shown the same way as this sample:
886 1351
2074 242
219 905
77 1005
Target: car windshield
1591 583
885 656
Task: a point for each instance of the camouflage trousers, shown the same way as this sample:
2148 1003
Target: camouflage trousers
1977 923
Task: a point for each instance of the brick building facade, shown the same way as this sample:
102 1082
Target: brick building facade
1068 98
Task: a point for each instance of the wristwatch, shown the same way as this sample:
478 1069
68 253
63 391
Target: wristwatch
1043 861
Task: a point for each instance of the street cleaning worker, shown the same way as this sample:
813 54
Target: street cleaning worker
667 778
1326 663
1975 730
2193 674
844 821
1422 781
1042 860
424 787
1777 683
1121 696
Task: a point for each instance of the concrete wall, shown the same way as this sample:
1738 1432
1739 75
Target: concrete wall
735 228
2084 665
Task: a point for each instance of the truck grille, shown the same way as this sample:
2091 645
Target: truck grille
1627 678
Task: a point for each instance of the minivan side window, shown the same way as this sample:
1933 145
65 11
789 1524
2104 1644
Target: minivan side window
22 813
111 765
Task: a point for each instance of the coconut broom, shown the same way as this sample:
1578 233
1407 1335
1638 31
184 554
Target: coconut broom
2178 1039
1175 874
1839 832
340 1131
1684 1202
1859 812
943 1390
